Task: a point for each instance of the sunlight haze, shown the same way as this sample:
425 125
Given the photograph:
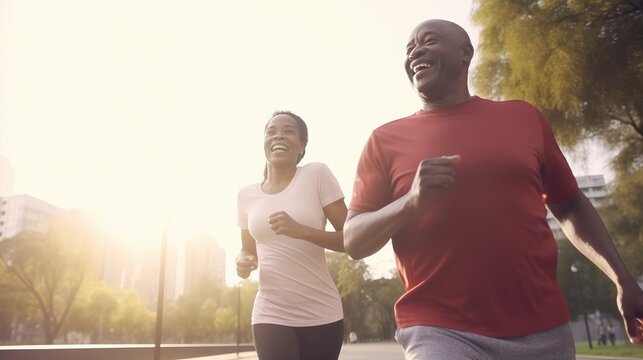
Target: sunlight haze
145 111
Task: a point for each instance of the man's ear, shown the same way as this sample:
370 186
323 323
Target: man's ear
467 53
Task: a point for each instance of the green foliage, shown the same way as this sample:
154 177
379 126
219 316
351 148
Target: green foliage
133 321
368 303
587 290
209 313
383 293
12 304
351 278
108 315
349 275
43 273
94 312
620 349
225 320
248 292
187 318
623 217
580 62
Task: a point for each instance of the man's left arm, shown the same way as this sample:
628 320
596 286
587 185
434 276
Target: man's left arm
585 229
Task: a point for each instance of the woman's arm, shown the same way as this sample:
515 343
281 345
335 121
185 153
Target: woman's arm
247 258
282 224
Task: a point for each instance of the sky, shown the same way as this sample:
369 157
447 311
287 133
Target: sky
148 110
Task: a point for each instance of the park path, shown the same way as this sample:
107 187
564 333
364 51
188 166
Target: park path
373 351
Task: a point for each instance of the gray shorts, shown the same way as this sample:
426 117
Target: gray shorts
432 343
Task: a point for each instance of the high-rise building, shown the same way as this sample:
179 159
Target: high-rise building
20 213
146 275
133 261
596 191
118 261
7 177
204 258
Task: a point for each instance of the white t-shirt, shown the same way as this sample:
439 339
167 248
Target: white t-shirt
295 287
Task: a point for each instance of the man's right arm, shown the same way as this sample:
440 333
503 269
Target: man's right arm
367 232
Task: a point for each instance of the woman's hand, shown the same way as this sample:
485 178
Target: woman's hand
246 263
282 224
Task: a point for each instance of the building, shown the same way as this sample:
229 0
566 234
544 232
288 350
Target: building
118 261
594 188
20 213
204 259
146 275
132 261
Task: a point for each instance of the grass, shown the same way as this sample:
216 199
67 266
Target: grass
622 348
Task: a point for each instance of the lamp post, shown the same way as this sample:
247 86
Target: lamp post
574 269
161 295
238 315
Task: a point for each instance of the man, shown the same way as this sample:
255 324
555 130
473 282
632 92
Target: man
460 187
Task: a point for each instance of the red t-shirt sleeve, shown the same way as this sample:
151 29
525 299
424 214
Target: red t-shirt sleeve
371 190
559 183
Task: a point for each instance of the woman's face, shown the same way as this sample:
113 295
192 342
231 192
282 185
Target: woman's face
282 142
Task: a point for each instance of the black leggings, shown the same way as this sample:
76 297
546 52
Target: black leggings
278 342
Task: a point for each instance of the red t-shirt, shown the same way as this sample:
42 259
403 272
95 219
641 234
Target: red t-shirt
481 257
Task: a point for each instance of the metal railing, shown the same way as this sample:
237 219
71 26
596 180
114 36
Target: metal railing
117 351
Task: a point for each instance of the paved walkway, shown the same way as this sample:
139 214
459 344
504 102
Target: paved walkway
361 351
370 351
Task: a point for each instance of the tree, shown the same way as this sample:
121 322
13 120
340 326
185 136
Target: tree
580 62
185 317
190 319
248 293
209 312
94 312
383 294
48 270
133 321
351 278
11 304
225 322
596 291
623 216
242 294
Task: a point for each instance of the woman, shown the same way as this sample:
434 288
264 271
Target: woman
297 313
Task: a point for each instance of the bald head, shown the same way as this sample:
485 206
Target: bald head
450 30
438 56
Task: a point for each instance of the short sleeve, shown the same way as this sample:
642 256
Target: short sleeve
242 212
559 183
329 189
371 189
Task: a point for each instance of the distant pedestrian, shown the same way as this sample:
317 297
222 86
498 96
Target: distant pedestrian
611 334
352 337
602 335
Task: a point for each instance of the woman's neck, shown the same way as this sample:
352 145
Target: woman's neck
277 179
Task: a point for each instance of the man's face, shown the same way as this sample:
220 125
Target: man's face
434 58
